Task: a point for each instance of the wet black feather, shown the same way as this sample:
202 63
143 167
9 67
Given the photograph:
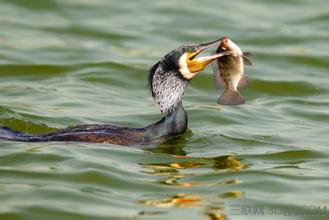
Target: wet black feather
150 77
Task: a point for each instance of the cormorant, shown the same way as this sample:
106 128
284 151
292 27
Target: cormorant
167 81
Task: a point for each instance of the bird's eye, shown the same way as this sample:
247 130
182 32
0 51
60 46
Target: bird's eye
190 49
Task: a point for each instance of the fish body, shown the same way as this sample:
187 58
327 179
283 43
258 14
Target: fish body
229 72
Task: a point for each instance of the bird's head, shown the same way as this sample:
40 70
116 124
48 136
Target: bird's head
169 77
186 60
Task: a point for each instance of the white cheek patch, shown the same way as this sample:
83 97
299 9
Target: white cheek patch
183 67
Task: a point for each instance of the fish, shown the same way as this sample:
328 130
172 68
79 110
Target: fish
229 72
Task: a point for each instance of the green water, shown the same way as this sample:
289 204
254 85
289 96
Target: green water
67 62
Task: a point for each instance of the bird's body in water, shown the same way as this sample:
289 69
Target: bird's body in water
168 79
229 72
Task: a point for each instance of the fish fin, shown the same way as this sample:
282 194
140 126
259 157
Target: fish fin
247 54
243 81
246 61
230 97
219 82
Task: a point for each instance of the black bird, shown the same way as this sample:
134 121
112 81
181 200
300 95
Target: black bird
167 80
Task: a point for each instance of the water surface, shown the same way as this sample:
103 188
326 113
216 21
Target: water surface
67 62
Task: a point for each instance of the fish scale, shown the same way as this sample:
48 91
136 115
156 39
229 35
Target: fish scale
229 72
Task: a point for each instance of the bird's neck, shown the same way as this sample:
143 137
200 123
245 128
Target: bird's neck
173 123
167 87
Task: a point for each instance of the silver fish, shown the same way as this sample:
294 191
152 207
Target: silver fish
229 72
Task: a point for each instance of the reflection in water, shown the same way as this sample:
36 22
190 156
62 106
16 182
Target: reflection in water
174 177
178 200
174 146
217 216
228 162
150 213
176 150
232 194
174 173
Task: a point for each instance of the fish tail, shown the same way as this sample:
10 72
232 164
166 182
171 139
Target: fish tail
231 97
11 135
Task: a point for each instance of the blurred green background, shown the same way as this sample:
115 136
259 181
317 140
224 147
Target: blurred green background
67 62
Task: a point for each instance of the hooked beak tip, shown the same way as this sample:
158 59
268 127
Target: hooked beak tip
204 46
210 44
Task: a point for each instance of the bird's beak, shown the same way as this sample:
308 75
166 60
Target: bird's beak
198 64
